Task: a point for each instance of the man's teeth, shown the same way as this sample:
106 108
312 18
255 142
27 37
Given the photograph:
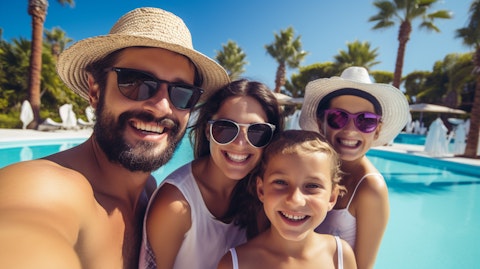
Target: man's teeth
292 217
349 143
237 157
149 127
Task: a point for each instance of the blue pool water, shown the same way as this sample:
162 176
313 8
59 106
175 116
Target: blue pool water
435 213
412 139
13 152
416 139
435 205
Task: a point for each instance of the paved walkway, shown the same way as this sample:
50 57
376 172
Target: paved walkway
18 134
7 135
419 150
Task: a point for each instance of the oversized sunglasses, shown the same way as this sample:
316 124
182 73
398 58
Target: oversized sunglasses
365 122
225 132
139 86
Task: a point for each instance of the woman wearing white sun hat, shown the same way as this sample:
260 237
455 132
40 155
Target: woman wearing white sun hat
355 114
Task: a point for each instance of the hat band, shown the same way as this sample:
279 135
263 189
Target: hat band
325 102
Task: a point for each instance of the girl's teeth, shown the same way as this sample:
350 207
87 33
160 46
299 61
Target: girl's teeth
292 217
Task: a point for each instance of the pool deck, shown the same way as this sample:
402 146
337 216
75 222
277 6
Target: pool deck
7 135
418 150
13 135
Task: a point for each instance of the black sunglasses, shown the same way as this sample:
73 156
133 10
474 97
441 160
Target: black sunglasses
365 122
225 132
139 86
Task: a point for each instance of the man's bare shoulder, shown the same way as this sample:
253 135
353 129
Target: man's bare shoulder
44 187
42 177
44 202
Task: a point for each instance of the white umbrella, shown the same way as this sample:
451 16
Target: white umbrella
434 108
423 107
284 99
436 142
26 114
69 119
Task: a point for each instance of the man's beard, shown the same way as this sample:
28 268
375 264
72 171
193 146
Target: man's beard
143 156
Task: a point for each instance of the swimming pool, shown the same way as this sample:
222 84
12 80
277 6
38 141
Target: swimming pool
13 152
412 139
435 205
434 213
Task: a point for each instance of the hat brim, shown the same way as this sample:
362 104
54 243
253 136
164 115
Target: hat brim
395 110
72 62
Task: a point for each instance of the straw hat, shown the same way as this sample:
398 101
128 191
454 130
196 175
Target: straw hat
394 105
147 27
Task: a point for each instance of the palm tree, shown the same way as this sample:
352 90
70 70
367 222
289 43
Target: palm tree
416 85
458 70
471 37
296 85
14 64
287 51
232 58
404 12
380 76
38 10
58 39
358 54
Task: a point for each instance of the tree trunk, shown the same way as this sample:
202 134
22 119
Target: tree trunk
38 12
280 77
472 137
403 37
56 51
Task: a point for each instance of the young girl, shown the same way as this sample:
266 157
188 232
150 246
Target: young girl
355 115
190 220
297 184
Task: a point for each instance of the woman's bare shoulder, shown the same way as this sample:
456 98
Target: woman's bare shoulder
373 185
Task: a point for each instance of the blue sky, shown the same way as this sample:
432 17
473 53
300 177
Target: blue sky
325 27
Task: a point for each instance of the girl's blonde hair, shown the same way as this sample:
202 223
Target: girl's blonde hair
301 141
286 143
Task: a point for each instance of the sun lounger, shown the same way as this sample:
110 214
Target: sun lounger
49 125
90 113
69 119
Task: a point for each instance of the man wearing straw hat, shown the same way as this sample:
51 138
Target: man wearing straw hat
83 208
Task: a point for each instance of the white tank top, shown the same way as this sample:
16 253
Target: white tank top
340 222
208 238
233 252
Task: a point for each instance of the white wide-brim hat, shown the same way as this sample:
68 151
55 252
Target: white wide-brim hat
394 104
143 27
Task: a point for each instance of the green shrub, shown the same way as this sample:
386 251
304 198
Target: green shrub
10 121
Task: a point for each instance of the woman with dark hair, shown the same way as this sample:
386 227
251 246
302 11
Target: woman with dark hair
191 219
